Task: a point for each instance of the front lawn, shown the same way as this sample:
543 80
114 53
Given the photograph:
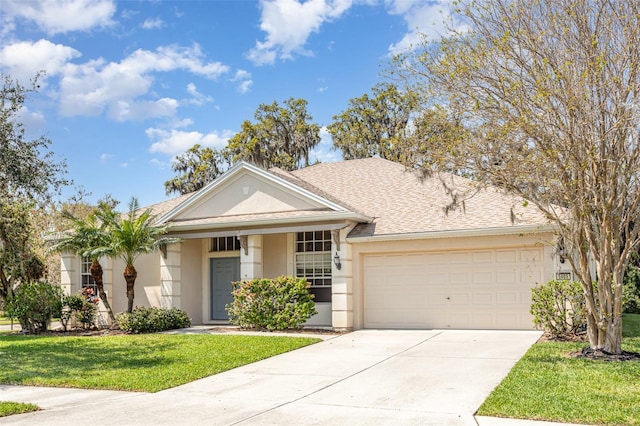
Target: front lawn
11 408
149 363
548 384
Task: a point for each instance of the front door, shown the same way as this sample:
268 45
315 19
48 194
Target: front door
223 271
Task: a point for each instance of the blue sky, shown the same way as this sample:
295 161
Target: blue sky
132 84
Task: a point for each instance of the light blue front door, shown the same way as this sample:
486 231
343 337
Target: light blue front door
222 272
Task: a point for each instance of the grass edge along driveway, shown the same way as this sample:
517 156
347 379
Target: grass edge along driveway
10 408
549 384
147 363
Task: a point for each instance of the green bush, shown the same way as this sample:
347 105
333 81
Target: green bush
631 291
151 320
33 304
271 304
558 307
69 305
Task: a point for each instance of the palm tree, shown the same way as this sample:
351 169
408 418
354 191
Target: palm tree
86 238
131 235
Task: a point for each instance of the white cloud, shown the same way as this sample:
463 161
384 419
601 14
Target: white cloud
423 18
96 86
62 16
141 110
128 13
243 78
22 60
31 120
173 142
106 157
152 23
197 97
289 23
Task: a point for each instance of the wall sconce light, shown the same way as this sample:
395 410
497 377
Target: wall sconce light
562 252
336 261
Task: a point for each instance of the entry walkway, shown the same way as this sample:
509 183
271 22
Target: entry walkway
367 377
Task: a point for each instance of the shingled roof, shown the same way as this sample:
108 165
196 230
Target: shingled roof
401 202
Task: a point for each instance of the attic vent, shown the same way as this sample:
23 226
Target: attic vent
224 244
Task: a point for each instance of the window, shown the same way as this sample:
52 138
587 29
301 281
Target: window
224 244
313 262
85 276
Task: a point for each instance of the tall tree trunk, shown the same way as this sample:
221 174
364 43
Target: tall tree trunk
96 273
130 275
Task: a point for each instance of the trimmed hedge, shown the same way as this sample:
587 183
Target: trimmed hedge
151 320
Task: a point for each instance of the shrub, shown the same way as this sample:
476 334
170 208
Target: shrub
69 306
33 304
271 304
558 307
151 320
631 291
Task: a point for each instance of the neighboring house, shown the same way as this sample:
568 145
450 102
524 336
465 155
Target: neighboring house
371 237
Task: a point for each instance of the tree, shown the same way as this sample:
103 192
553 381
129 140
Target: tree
283 136
131 235
86 238
550 93
198 166
375 125
434 130
28 177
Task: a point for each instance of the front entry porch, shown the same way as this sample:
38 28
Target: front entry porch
265 253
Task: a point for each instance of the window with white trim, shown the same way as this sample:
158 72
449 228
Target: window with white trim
313 262
85 275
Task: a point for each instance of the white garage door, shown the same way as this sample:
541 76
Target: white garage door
480 289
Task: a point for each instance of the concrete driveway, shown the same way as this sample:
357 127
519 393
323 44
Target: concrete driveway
368 377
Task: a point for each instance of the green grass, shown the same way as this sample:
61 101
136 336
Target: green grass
148 363
547 384
11 408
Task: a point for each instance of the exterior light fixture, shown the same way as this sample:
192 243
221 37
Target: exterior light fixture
562 252
336 261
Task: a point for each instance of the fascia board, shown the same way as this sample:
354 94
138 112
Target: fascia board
457 233
270 222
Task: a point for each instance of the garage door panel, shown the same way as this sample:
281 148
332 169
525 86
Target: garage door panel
457 278
462 257
482 278
468 289
482 257
506 256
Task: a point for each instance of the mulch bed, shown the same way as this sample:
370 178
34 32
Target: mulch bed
600 355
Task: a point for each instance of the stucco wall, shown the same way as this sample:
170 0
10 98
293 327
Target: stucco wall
247 195
274 255
147 287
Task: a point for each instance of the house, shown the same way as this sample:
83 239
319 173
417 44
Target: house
372 238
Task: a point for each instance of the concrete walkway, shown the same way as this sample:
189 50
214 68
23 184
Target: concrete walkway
367 377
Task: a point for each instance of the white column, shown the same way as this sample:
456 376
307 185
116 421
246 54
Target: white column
171 277
342 282
251 257
69 273
107 283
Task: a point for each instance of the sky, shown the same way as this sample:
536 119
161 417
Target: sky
130 85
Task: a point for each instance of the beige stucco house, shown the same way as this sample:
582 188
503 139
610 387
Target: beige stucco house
371 237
